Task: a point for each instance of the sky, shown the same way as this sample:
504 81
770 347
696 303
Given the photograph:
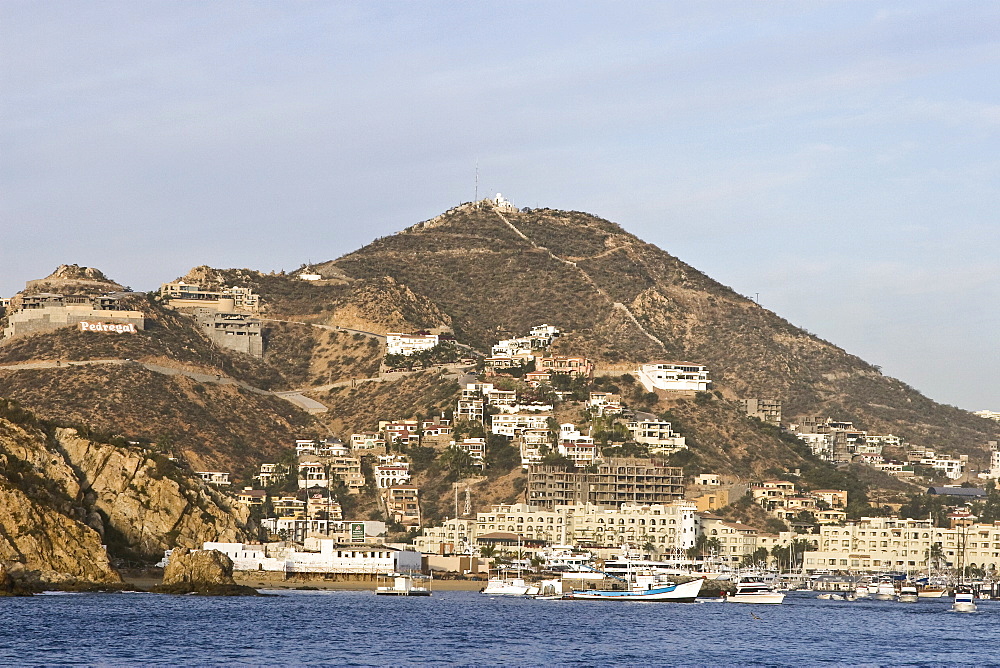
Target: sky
838 161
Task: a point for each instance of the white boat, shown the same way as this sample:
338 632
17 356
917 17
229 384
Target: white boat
755 590
645 588
932 592
885 591
509 587
964 602
862 591
908 594
403 585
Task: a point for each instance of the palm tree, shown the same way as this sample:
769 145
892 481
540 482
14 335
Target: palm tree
935 555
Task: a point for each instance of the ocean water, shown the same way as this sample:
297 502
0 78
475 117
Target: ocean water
468 628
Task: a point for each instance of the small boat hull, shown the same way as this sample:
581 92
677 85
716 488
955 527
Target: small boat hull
767 598
932 593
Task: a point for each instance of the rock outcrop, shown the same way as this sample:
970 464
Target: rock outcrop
208 572
145 501
10 587
48 545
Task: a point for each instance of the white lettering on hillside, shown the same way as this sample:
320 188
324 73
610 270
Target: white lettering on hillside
111 327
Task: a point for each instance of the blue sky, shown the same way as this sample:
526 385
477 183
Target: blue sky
838 158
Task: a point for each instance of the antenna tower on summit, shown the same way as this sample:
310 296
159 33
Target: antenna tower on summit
477 181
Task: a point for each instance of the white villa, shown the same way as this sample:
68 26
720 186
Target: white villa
407 344
673 376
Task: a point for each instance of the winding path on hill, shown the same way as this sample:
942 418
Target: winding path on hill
590 281
292 396
333 328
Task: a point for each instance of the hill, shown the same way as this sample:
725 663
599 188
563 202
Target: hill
495 273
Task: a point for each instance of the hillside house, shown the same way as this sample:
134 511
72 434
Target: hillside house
605 403
573 445
515 424
391 471
674 376
475 448
397 343
576 367
46 312
367 440
184 296
217 478
402 504
765 410
656 434
472 410
533 443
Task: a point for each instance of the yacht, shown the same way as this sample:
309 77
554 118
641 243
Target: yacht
755 590
964 601
885 590
908 594
500 586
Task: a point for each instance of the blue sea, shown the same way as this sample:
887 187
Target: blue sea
468 628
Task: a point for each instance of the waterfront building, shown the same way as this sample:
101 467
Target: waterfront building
889 543
331 557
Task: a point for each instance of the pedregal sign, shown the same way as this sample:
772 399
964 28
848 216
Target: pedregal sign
108 327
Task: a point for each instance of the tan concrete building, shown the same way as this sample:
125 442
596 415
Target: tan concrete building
47 312
183 296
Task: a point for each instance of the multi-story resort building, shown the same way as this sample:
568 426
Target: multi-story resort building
885 543
616 481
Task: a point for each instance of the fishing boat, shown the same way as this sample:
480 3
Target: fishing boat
403 585
644 588
755 590
964 601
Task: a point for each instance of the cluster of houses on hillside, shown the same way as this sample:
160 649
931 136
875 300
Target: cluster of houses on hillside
840 442
574 493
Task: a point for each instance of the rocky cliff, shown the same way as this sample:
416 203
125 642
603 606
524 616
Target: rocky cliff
63 498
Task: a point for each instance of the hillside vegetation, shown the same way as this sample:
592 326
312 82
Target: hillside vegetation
214 427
